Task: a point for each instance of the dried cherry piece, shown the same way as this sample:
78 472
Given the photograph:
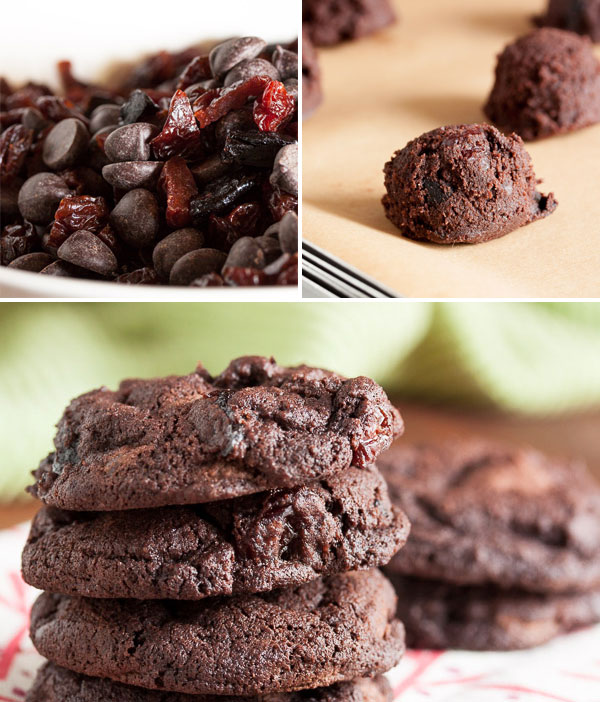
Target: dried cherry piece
75 90
280 202
221 194
14 146
210 280
108 237
26 96
244 218
75 213
141 276
240 277
254 148
180 135
17 240
179 186
274 108
197 69
12 117
56 109
156 69
215 104
289 274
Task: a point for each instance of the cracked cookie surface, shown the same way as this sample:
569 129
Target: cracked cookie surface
249 544
484 512
198 438
314 635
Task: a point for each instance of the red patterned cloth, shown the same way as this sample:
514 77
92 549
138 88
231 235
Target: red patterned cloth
566 670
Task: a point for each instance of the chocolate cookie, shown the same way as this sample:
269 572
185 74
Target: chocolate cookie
198 438
581 16
54 684
249 544
547 83
333 21
312 94
327 631
463 184
438 615
485 513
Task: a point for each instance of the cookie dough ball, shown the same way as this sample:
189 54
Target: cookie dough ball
463 184
581 16
547 83
330 22
311 77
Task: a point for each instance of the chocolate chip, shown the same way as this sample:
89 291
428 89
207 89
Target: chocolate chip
246 253
40 196
132 174
130 142
250 68
291 88
285 170
32 118
104 116
286 62
33 262
288 233
63 269
195 265
65 144
210 169
86 250
136 218
225 56
168 251
270 246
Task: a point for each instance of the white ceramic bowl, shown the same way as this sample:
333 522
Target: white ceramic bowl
93 35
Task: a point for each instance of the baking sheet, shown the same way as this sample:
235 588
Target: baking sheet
435 67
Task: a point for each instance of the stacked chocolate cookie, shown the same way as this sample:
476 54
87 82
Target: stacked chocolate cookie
210 538
505 545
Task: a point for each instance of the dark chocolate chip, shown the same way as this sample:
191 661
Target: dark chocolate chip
104 116
64 269
130 142
250 68
246 253
285 169
32 118
136 218
86 250
65 144
271 247
210 169
288 233
33 262
40 196
225 56
132 174
195 265
170 249
286 62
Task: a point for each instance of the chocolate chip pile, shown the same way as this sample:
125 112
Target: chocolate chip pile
185 173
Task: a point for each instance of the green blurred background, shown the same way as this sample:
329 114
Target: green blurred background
534 359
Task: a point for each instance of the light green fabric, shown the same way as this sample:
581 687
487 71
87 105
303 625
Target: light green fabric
537 358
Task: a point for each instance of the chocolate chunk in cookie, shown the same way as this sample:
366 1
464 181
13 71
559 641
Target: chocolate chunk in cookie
547 83
54 684
198 438
487 618
327 631
484 513
249 544
333 21
463 184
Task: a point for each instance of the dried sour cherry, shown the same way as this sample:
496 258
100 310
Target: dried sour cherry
180 135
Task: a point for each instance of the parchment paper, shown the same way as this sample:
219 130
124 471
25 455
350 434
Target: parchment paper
435 67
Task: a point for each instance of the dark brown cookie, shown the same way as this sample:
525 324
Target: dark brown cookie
197 438
581 16
330 22
54 684
438 615
463 184
547 83
312 94
251 544
485 513
327 631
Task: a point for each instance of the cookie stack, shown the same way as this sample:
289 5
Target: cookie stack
504 550
209 538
